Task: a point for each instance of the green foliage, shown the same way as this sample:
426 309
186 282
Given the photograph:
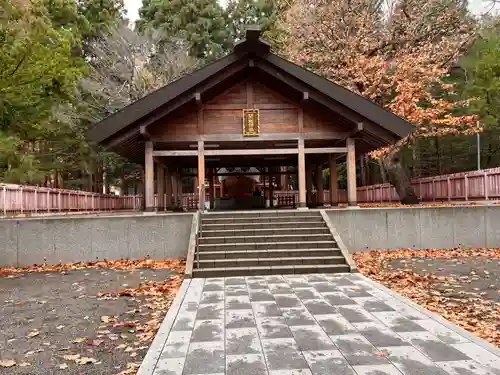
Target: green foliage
201 23
243 12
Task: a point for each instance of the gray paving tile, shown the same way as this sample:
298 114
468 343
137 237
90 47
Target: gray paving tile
315 278
179 337
298 316
170 366
250 364
205 358
441 332
434 348
257 285
275 279
319 307
299 284
235 281
211 311
266 309
185 321
355 314
261 295
273 328
338 299
238 303
178 350
397 322
283 354
312 338
255 278
242 341
374 305
341 281
325 287
377 370
188 307
463 368
335 324
480 355
302 371
283 288
239 319
355 291
287 300
379 335
412 362
211 297
214 280
236 290
328 363
307 293
213 287
208 330
358 351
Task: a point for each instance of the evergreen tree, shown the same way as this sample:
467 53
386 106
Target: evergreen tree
201 23
243 12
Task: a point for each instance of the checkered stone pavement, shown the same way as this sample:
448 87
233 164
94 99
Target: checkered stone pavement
315 324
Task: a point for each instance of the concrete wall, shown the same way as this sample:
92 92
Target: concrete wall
365 229
72 239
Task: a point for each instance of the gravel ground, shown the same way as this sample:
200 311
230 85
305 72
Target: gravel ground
43 313
472 276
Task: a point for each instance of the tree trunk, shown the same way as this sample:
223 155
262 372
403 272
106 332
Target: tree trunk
398 177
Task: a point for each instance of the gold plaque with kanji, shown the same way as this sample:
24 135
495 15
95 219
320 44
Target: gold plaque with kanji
251 126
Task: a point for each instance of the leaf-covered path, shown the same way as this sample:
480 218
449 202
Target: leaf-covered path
96 318
463 285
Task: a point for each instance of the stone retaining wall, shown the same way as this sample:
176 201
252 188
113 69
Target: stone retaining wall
72 239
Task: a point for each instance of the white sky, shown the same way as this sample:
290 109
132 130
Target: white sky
476 6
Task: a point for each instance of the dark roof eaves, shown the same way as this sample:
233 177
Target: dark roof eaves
355 102
133 112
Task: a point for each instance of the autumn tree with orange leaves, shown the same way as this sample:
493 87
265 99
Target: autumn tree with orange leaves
395 53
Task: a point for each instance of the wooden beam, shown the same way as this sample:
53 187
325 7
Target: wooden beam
302 175
326 150
300 120
168 187
175 153
149 176
267 151
278 137
197 97
249 94
351 173
319 185
305 95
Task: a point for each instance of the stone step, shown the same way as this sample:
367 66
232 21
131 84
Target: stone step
248 214
269 238
269 270
268 245
236 226
276 253
280 261
264 232
260 219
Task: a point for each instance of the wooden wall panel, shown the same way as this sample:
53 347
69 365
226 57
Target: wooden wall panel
180 123
278 121
316 124
222 121
235 95
264 95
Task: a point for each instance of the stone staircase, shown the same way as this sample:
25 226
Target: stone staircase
264 243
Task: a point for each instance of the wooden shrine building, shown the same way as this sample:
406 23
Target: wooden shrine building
250 108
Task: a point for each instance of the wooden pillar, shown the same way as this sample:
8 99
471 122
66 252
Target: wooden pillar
309 185
271 187
302 175
160 186
175 190
211 183
319 185
168 188
351 173
179 190
201 174
149 176
333 180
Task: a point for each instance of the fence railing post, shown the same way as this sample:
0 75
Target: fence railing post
59 200
4 200
36 200
22 200
466 187
448 188
48 201
486 185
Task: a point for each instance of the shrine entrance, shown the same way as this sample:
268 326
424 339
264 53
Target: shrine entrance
250 130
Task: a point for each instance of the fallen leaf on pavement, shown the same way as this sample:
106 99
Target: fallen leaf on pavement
7 363
85 360
71 357
79 339
24 364
63 366
94 342
33 334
